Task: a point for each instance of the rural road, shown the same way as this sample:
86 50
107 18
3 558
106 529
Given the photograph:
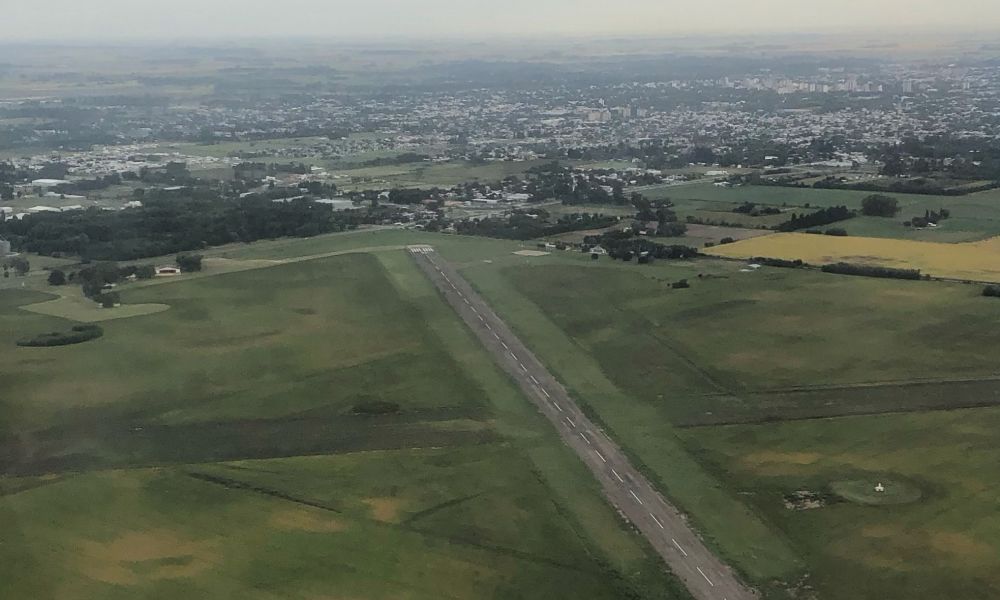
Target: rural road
706 577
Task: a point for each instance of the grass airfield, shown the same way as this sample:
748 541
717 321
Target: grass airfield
732 395
222 436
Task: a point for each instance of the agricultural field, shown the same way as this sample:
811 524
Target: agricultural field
976 261
235 437
973 217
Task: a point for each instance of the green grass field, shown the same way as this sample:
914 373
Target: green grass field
212 450
973 217
945 544
715 391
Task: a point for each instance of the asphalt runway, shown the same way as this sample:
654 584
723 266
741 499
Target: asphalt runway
664 526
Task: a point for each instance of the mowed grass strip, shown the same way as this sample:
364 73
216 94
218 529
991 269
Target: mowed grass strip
622 555
644 431
940 541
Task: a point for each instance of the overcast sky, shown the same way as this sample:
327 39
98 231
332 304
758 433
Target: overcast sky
97 20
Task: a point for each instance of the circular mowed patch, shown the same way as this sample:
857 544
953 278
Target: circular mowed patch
863 491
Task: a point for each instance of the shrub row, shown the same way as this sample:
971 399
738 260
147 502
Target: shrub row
77 335
870 271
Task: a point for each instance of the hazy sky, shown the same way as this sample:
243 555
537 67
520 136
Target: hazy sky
96 20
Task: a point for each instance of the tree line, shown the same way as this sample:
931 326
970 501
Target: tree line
170 226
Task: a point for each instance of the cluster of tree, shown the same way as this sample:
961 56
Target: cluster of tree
695 220
779 262
879 205
930 218
749 208
522 225
170 226
625 245
992 291
189 263
553 180
77 335
834 231
399 159
821 217
18 264
95 278
871 271
904 186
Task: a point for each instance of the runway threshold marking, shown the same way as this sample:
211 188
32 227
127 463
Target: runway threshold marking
705 576
678 546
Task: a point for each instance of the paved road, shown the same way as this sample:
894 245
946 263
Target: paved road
665 527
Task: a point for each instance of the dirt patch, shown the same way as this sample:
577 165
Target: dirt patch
384 509
305 519
961 546
795 458
805 500
531 253
148 555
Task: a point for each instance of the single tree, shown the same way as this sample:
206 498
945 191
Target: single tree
57 277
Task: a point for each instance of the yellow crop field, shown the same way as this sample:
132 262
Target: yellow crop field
979 261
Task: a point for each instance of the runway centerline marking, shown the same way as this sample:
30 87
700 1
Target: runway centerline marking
600 456
523 368
617 476
556 404
678 546
657 520
634 496
571 423
585 438
533 380
705 576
